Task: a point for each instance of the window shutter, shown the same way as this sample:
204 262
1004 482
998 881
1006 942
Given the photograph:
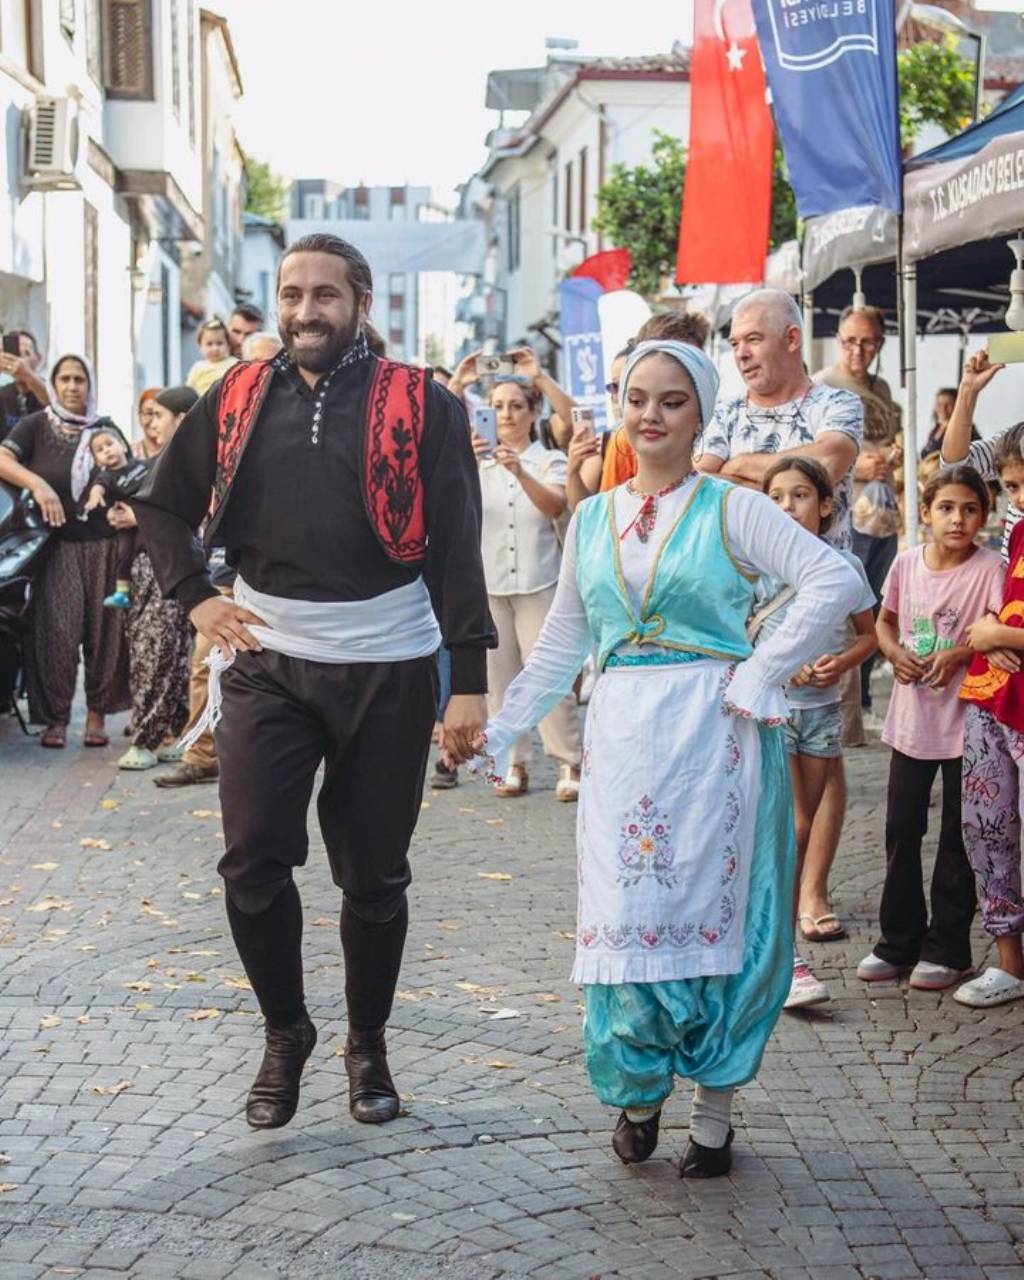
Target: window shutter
128 48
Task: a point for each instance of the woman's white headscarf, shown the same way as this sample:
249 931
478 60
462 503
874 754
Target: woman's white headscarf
86 423
701 371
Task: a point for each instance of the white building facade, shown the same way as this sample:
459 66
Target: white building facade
537 192
92 234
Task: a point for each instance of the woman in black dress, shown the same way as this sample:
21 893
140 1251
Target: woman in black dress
48 454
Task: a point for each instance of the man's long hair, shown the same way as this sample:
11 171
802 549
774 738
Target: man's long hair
360 277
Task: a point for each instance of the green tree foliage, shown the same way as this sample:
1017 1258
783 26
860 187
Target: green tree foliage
784 217
638 209
936 87
265 191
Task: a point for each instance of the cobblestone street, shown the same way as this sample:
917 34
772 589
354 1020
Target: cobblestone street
882 1138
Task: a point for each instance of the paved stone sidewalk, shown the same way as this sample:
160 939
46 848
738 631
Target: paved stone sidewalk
882 1139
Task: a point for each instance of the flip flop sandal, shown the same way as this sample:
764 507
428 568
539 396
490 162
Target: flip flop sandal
54 737
96 740
816 933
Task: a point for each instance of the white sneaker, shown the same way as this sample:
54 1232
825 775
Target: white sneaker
874 969
995 986
927 976
805 988
568 789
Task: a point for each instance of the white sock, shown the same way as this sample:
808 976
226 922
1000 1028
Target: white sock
637 1115
709 1116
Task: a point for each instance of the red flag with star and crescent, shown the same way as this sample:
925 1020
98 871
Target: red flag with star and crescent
727 197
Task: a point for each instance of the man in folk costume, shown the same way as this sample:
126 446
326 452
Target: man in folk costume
346 495
685 827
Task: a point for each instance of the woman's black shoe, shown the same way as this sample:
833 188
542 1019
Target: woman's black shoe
707 1162
634 1140
372 1096
274 1095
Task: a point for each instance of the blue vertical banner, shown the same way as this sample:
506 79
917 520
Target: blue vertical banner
831 68
582 359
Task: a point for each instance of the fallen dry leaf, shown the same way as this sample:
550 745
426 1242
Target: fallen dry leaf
51 1020
548 997
494 875
82 1019
475 989
142 1006
88 946
149 910
56 824
237 984
139 985
202 1015
51 904
502 1015
109 805
324 922
7 1186
186 893
565 933
496 1064
120 1087
90 842
205 813
495 822
45 866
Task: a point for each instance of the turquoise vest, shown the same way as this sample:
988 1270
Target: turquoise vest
697 600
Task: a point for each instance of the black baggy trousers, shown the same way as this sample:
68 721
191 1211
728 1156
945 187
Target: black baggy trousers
370 725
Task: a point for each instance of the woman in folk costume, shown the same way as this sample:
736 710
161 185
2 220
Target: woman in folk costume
685 826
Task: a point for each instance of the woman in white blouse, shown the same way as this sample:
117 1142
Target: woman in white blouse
523 486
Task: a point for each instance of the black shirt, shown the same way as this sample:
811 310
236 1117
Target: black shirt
44 448
294 523
123 483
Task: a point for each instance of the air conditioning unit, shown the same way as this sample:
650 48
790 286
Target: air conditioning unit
53 144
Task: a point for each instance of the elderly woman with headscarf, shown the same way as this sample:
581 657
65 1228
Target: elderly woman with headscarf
685 829
48 453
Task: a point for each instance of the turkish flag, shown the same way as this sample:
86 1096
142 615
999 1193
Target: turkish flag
727 196
609 268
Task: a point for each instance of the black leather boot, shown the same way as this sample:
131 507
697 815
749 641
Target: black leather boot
707 1162
372 1096
274 1095
634 1140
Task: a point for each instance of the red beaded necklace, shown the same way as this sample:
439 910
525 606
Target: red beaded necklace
644 520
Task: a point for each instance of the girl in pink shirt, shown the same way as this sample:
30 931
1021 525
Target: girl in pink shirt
932 595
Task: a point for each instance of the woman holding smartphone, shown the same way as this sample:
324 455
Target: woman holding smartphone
523 487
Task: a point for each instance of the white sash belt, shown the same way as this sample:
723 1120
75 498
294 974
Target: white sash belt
394 627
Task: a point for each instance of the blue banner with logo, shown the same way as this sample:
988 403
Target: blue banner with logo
831 68
582 358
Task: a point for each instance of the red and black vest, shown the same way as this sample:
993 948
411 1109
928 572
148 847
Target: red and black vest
390 450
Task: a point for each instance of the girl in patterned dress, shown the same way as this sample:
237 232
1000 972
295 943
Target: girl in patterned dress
685 827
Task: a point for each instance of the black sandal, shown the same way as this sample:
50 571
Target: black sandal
707 1162
54 736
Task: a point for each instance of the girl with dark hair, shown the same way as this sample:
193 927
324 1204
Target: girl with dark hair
49 454
814 730
158 634
523 488
932 596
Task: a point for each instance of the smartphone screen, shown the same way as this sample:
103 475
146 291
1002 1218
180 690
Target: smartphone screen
12 344
485 424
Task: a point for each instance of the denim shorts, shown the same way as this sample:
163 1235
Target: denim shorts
815 731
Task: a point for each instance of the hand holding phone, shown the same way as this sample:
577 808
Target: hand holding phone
584 425
485 426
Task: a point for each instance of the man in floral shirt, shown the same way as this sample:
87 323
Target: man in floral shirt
783 411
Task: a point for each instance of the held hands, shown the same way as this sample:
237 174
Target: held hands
1004 660
223 622
50 506
462 735
822 674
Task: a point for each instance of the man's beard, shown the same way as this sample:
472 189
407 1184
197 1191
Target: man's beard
324 355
